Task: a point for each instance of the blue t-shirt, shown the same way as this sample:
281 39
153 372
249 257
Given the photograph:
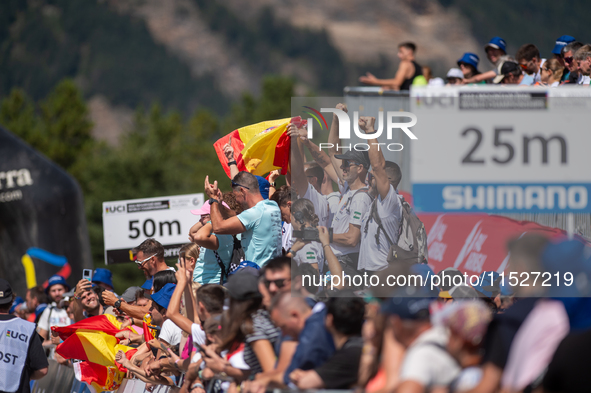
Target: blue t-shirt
315 345
262 239
207 270
527 80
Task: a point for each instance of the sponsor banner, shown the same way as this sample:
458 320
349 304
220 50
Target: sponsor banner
128 223
502 198
479 145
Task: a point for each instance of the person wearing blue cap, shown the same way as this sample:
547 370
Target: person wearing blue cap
496 51
426 363
561 42
259 223
170 333
54 314
103 278
468 63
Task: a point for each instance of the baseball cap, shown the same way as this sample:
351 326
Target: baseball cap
54 280
360 157
507 68
409 303
162 297
243 285
263 186
246 266
468 319
129 294
17 302
5 292
104 276
488 284
206 209
147 285
463 292
455 73
469 58
497 43
424 271
449 274
561 42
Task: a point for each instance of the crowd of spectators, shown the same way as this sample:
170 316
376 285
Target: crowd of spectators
258 299
568 63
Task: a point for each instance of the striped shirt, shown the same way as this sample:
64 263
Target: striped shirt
263 329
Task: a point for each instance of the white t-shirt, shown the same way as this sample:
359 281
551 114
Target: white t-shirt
311 253
286 240
198 334
350 211
583 79
53 316
320 203
170 333
372 256
427 361
333 200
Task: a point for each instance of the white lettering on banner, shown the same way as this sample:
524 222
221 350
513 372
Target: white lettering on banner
437 251
435 238
514 197
13 178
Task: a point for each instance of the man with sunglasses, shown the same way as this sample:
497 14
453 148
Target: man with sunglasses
583 58
150 259
568 54
528 58
259 223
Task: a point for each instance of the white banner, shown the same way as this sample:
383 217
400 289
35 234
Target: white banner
128 223
500 149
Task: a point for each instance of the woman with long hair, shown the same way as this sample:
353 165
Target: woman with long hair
551 73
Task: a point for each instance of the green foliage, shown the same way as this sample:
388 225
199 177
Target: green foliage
267 43
160 155
111 54
529 21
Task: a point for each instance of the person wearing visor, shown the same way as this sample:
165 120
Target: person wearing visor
259 223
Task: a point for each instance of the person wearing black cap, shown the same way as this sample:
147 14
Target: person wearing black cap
22 355
510 74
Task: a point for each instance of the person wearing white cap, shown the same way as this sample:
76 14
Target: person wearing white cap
455 76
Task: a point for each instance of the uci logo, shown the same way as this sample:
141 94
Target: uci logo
115 209
15 335
430 101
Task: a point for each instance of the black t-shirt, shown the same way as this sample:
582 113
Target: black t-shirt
569 369
502 330
36 358
341 370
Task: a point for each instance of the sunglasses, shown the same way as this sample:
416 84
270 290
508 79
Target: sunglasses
523 66
568 60
140 263
347 164
239 185
279 283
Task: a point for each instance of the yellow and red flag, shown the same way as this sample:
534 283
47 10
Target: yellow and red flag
261 147
105 323
98 378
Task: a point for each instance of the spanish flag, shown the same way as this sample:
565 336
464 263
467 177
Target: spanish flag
259 148
105 323
94 346
98 378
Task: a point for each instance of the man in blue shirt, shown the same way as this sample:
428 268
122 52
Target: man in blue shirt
259 223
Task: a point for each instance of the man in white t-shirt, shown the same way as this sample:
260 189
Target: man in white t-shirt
381 223
54 314
426 365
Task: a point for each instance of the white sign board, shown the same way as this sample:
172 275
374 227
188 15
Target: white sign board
128 223
498 149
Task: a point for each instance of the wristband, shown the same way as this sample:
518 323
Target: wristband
176 363
197 385
325 245
272 184
233 162
213 200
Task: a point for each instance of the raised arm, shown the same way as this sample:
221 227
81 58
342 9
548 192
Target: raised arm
205 237
480 77
298 175
376 157
173 311
231 226
394 84
229 152
333 263
334 140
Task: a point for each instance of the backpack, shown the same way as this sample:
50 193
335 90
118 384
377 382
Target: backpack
412 237
361 190
236 257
